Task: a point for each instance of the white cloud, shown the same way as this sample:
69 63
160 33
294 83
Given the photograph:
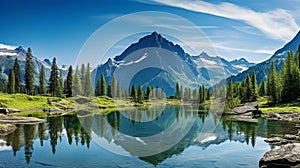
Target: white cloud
7 46
276 24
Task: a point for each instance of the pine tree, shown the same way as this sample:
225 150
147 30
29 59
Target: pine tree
109 93
290 79
103 85
177 92
254 86
262 88
17 72
77 88
273 85
114 86
54 81
229 94
139 94
82 77
208 95
98 87
88 87
29 73
118 92
148 91
247 90
69 82
42 81
11 82
133 93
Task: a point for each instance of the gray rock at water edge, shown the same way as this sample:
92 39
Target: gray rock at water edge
247 109
286 156
4 111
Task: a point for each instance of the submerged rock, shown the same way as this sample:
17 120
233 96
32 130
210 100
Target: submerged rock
288 138
286 156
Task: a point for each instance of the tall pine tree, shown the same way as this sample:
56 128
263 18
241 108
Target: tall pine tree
69 82
29 73
17 72
54 81
103 85
273 86
42 81
11 82
88 87
77 88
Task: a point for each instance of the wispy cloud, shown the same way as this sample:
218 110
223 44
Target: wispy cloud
276 24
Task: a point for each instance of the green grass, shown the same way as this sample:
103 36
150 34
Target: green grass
30 114
24 102
2 126
282 107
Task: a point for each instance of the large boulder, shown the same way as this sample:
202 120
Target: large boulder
247 109
286 156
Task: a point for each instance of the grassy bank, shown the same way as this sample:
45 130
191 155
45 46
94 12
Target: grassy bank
282 107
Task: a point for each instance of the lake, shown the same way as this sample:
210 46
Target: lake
170 136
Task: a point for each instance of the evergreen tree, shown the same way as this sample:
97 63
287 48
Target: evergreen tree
11 82
148 91
88 87
103 85
262 88
254 87
109 94
247 90
98 87
139 94
114 86
208 95
17 72
290 79
273 85
42 81
77 88
29 73
54 81
133 93
177 92
69 82
229 94
82 77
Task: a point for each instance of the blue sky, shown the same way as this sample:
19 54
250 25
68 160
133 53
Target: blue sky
252 29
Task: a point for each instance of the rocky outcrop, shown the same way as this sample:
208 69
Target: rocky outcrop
286 156
247 112
288 138
4 110
21 120
285 116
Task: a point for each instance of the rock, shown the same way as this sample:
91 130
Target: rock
299 133
286 156
247 109
6 129
21 120
12 110
291 137
4 110
276 140
285 116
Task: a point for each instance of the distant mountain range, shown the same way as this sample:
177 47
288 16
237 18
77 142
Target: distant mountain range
207 69
263 68
7 58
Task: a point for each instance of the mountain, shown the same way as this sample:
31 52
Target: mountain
263 68
151 61
7 59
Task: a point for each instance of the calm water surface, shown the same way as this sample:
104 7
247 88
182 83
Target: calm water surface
78 140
